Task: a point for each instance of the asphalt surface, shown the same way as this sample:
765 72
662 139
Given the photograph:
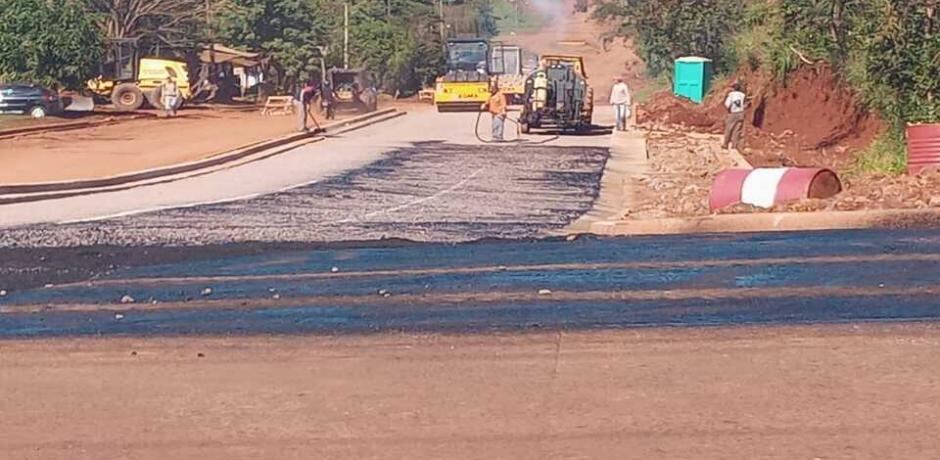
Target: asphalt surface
322 161
432 191
817 277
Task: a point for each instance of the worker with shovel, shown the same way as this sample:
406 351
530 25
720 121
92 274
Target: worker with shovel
306 95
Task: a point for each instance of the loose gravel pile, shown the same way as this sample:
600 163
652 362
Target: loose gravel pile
682 167
430 192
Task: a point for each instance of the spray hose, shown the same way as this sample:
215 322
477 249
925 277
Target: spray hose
518 140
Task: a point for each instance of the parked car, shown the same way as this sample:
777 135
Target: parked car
33 100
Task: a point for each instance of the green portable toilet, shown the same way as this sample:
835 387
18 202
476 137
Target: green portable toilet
692 78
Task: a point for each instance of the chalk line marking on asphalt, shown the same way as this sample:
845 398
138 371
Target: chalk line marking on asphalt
259 194
200 203
409 204
185 205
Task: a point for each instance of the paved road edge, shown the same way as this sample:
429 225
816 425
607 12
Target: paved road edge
21 193
772 222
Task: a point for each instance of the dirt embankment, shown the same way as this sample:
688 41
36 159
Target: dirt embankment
809 120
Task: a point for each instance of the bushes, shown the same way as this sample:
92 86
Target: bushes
887 154
49 42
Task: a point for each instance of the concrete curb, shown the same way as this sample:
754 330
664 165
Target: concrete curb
772 222
20 193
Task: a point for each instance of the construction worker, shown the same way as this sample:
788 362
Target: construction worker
620 99
735 102
169 96
328 100
496 105
302 100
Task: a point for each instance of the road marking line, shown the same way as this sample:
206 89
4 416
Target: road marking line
494 298
187 206
519 268
411 203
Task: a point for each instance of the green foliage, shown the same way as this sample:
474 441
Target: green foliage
288 30
668 29
49 42
887 49
471 18
757 44
397 40
902 60
888 154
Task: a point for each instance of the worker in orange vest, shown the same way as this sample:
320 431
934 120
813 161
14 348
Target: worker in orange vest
496 106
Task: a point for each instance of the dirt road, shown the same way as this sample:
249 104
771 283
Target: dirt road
134 145
572 33
846 392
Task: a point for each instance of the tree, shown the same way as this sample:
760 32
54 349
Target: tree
290 31
174 23
36 47
398 41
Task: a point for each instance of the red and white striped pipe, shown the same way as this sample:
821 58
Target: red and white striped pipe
766 187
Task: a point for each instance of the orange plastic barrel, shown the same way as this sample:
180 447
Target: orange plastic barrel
923 147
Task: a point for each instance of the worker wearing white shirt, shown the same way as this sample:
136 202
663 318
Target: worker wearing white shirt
735 102
620 99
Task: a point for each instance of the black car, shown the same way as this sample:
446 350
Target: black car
35 101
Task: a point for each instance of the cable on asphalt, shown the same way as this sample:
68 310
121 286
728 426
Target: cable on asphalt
519 139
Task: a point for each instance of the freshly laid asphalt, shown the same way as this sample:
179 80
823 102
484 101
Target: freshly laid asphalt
588 283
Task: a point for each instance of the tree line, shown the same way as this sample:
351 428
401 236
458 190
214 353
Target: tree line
61 42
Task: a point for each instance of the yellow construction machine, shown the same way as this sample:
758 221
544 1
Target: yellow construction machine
128 80
466 84
507 66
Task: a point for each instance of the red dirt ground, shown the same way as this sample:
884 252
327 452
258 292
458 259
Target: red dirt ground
133 145
811 120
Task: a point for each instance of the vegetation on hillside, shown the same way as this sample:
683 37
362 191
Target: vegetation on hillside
887 50
668 29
